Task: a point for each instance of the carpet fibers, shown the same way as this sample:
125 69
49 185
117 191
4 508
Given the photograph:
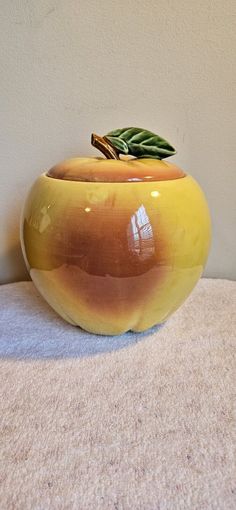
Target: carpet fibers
140 421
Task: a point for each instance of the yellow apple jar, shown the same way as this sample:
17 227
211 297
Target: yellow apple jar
115 245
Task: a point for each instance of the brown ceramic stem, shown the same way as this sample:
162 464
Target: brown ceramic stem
102 144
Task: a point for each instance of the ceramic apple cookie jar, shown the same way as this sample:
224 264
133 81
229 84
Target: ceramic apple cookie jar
116 243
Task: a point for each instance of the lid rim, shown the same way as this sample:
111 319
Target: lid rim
127 181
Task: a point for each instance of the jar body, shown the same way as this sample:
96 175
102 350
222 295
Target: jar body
113 257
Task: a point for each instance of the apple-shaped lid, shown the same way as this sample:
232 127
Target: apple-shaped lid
142 159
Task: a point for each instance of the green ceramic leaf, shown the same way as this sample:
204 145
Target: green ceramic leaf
140 143
119 144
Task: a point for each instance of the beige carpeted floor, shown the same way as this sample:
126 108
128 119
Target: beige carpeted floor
133 422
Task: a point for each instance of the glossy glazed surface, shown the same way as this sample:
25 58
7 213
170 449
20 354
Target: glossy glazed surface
111 170
112 256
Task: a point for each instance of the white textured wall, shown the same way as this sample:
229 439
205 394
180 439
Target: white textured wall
70 67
